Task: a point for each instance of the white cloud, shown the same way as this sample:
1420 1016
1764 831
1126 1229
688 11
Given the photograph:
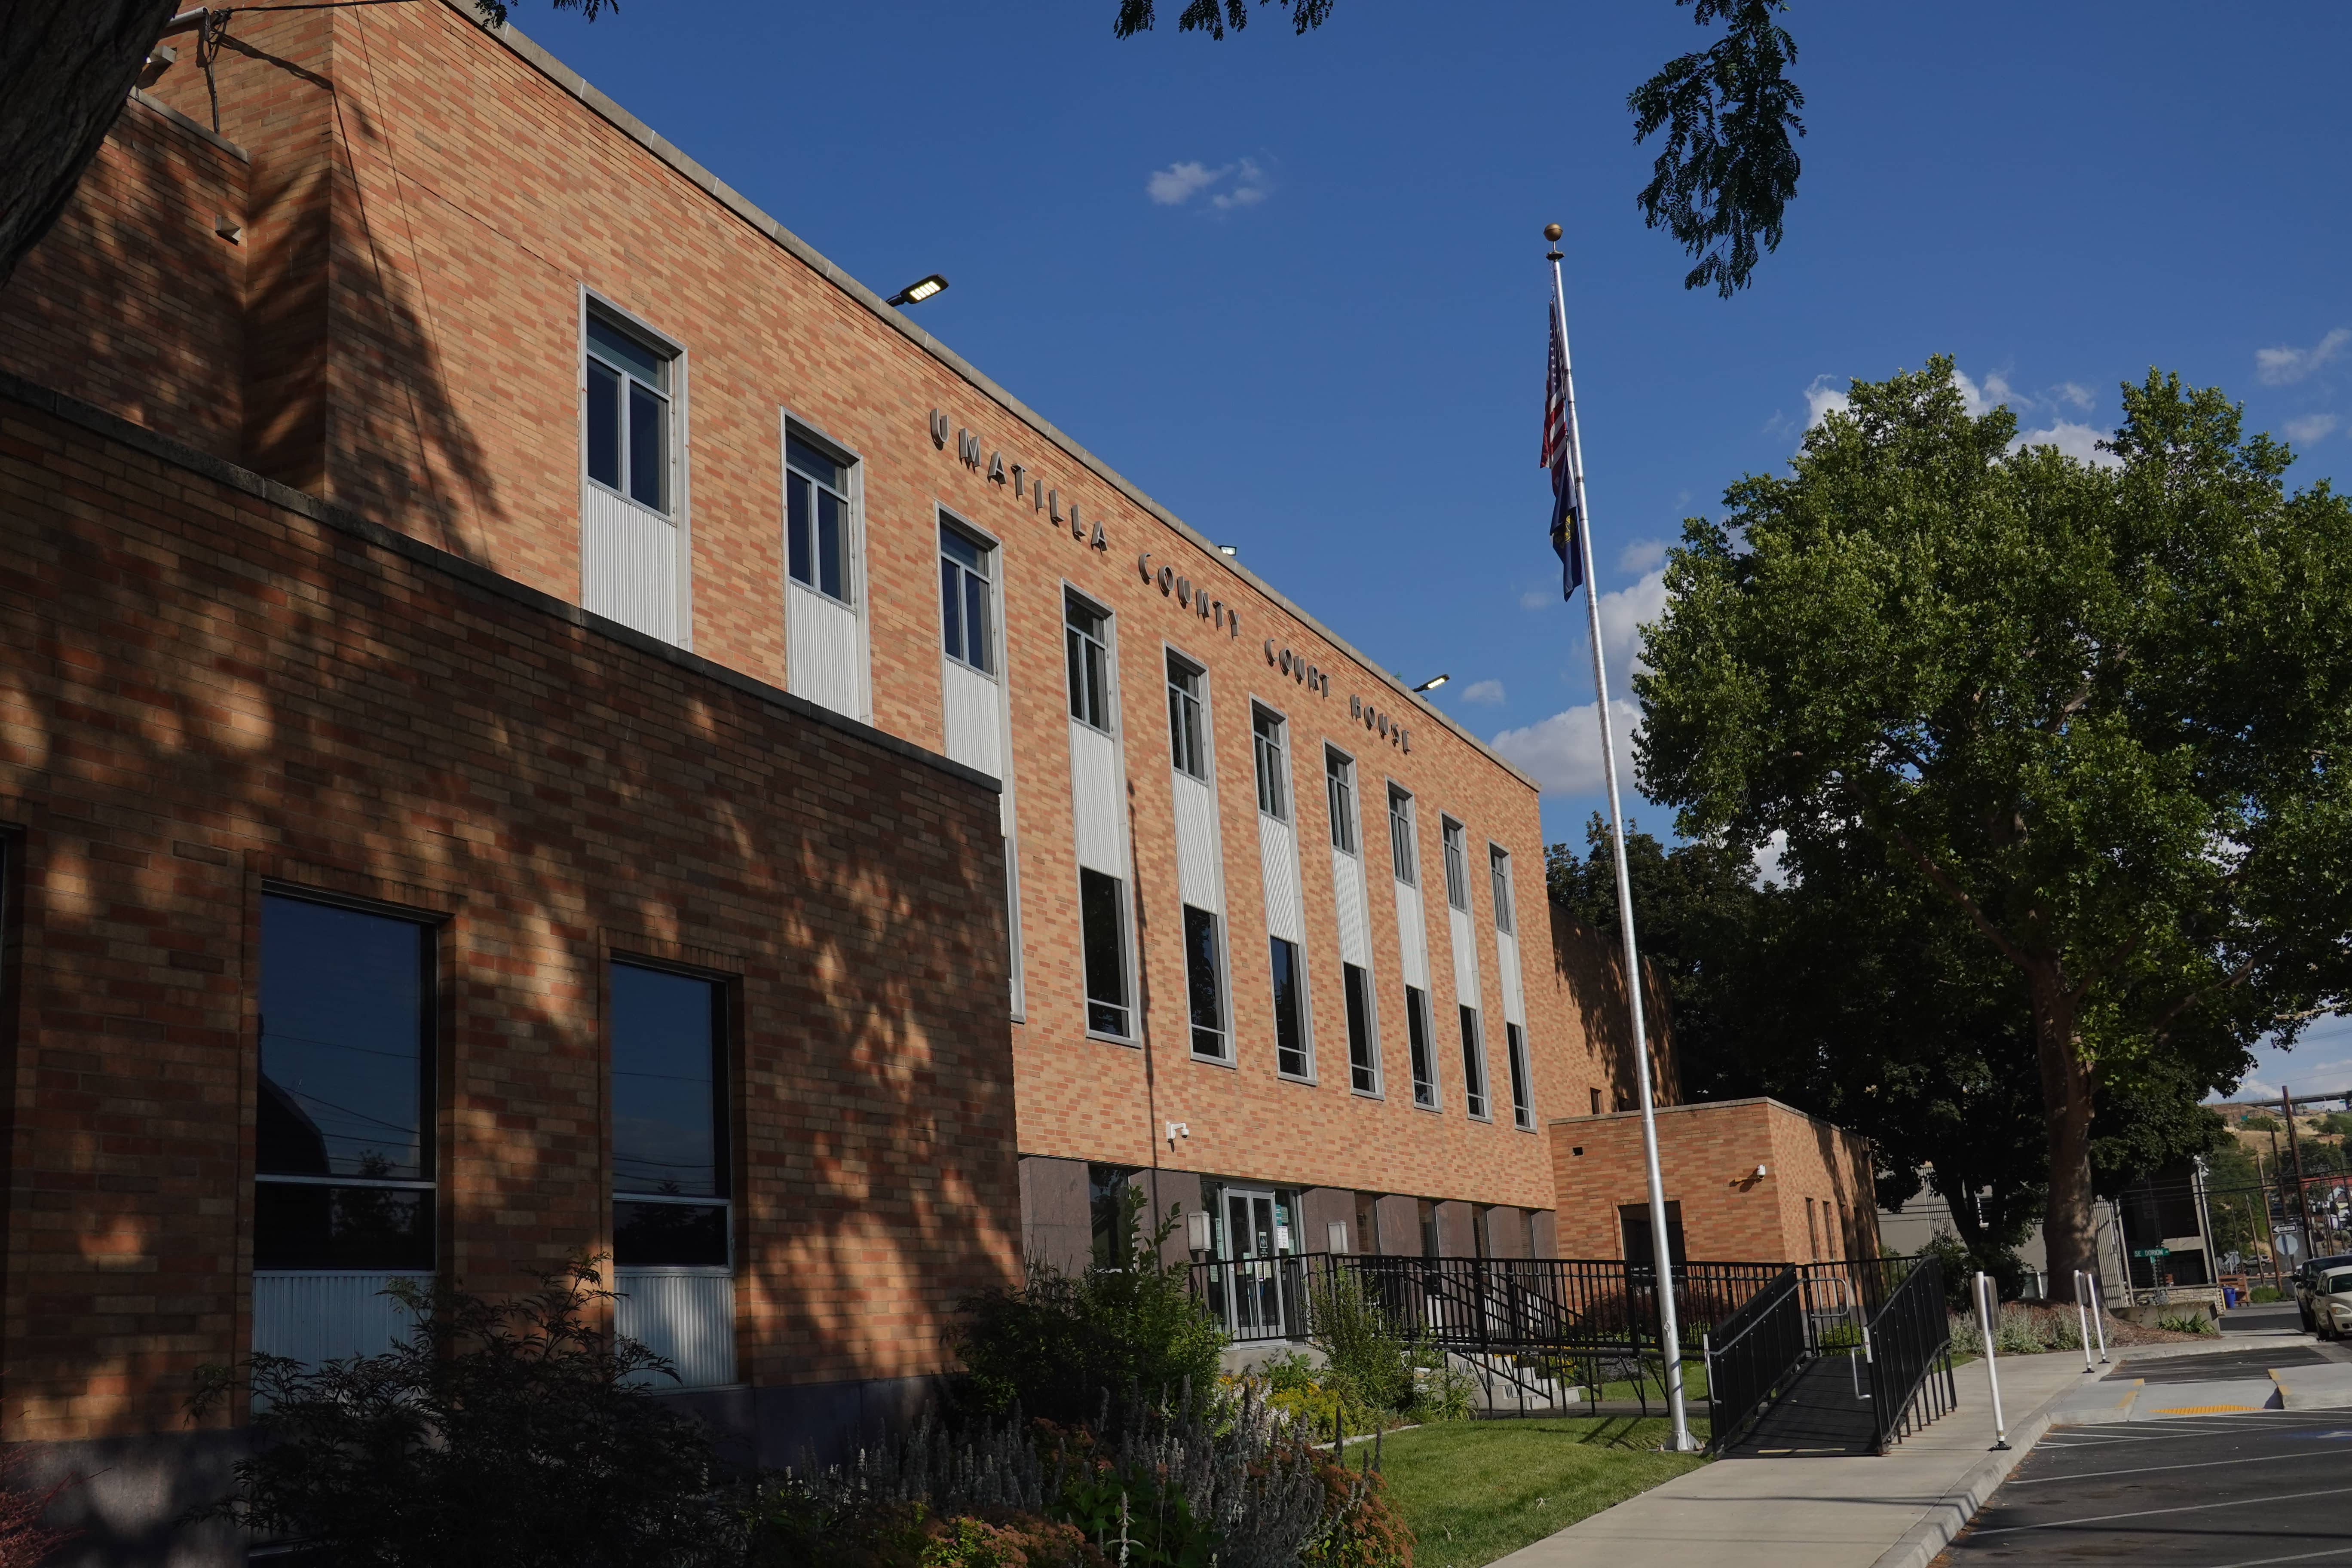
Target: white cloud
1249 188
1624 612
1767 857
1821 400
1179 183
2076 440
1562 752
1488 693
2076 393
2310 427
1641 555
2278 366
1539 599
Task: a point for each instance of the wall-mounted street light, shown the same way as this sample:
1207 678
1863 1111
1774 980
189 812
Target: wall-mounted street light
915 293
1236 550
1432 683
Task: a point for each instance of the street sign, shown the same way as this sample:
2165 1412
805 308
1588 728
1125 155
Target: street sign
2288 1242
2153 1252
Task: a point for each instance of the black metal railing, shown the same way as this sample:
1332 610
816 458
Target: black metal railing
1910 1346
1752 1355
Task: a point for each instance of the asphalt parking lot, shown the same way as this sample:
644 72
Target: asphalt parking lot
2269 1487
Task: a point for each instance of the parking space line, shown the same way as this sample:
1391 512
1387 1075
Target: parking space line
2154 1513
2335 1454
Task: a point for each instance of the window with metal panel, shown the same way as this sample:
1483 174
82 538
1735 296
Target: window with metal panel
1273 773
670 1187
1187 739
1404 852
1086 632
967 599
1457 864
1498 868
818 521
1340 796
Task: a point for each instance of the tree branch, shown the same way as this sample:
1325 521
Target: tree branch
1960 895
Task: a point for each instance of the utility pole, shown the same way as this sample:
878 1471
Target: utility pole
2295 1147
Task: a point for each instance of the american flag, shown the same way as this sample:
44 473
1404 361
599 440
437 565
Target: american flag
1565 523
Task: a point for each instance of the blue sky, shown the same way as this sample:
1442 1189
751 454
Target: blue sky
1292 287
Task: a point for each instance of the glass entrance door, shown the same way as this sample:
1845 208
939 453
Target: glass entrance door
1257 1234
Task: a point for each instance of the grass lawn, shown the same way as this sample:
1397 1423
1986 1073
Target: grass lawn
1474 1491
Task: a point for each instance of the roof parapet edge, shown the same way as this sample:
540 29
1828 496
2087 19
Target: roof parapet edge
536 56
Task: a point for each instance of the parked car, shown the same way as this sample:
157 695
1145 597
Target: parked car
2307 1285
2330 1309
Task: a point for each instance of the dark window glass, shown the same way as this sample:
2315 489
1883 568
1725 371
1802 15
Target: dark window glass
669 1235
1523 1104
1457 864
670 1118
628 354
1641 1243
604 425
344 1068
816 518
1400 845
1086 634
1289 1010
1102 929
648 467
1363 1062
1339 794
345 1089
1185 740
1424 1060
1428 1229
1473 1064
1498 868
964 599
1113 1213
668 1103
1368 1225
1203 983
1272 783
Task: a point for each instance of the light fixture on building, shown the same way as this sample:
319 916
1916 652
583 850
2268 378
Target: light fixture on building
1432 683
1762 1172
915 293
1236 550
1196 1225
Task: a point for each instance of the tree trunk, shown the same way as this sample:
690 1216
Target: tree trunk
2067 1233
66 67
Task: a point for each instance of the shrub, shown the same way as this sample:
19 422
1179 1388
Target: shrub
507 1435
1360 1528
1370 1356
1059 1345
25 1541
2262 1294
2188 1323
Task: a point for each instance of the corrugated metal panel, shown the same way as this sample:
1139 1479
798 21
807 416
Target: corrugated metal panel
973 717
1098 800
1277 857
686 1315
822 655
1506 959
1355 917
1413 937
1200 857
628 564
1465 958
315 1318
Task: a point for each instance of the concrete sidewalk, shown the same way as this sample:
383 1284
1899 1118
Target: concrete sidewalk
1895 1511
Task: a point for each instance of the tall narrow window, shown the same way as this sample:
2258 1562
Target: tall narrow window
1498 868
1457 864
1204 983
1473 1064
343 1129
1364 1051
1086 632
1404 851
1187 742
628 415
1102 931
1523 1100
1424 1054
967 599
1339 794
1114 1214
1289 1011
671 1206
1273 777
818 518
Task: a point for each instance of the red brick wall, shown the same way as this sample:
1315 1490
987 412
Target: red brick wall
466 199
211 685
1708 1155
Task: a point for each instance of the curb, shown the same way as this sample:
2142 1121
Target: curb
1950 1514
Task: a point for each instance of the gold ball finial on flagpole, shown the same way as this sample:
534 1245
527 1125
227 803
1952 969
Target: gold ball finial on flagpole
1551 232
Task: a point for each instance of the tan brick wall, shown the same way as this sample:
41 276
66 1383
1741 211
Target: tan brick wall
1707 1156
210 688
458 200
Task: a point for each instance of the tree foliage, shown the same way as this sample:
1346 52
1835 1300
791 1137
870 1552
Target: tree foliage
2100 713
1728 167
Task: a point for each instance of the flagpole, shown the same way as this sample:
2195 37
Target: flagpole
1669 1330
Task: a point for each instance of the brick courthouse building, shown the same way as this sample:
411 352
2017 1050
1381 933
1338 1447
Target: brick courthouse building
541 718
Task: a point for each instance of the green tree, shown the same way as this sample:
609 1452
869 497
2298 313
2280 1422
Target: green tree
2102 712
1728 167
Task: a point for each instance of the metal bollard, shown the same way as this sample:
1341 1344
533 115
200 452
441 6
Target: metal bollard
1993 1373
2087 1281
2083 1319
